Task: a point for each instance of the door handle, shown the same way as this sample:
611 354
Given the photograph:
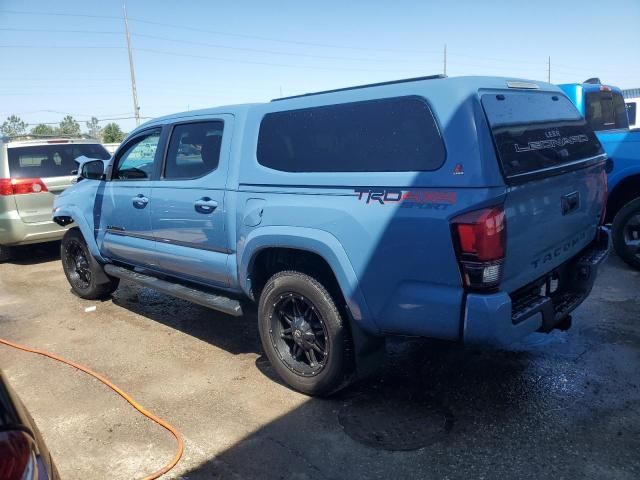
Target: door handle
205 205
140 201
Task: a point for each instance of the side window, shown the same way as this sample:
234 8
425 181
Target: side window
388 135
194 150
136 161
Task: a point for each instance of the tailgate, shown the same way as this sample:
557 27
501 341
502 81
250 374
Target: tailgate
553 165
549 221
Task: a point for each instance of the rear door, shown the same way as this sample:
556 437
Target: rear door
554 168
188 211
52 164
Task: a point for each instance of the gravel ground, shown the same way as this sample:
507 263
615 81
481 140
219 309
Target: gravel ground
563 405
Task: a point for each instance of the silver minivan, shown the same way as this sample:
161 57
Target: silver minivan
33 171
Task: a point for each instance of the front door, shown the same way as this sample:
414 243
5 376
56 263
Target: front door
126 217
188 211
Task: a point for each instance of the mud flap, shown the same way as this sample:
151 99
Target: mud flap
369 351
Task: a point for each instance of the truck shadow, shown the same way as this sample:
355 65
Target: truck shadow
34 254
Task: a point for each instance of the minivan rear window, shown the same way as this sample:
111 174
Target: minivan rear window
605 111
537 130
54 160
388 135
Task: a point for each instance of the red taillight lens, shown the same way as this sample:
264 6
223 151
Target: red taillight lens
21 186
481 234
16 457
481 239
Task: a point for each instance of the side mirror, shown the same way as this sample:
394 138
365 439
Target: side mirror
93 170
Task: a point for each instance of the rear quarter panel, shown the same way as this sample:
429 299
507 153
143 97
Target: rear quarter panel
397 243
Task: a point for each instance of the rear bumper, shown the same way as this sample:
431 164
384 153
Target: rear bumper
13 231
504 318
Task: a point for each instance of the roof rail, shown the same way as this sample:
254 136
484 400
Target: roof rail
392 82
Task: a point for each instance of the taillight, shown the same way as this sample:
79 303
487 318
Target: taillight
16 458
21 186
481 239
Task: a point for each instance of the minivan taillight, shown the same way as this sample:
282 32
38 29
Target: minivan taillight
481 238
21 186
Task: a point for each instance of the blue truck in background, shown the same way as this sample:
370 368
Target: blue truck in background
465 209
603 107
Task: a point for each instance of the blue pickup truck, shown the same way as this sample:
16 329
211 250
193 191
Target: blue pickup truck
464 209
603 107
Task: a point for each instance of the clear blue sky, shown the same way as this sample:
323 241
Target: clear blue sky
199 53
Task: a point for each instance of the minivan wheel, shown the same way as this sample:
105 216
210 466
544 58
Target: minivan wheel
82 270
5 253
304 334
626 233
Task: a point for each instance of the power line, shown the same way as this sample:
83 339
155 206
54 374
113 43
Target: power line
47 30
83 47
257 50
219 32
231 60
55 14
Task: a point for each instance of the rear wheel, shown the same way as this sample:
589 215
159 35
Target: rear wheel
5 253
304 334
626 233
82 271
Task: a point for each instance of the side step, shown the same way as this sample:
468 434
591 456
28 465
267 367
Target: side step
206 299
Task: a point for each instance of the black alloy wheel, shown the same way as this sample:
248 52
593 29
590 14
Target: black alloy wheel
299 334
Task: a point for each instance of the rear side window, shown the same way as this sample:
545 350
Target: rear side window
537 130
605 111
389 135
55 160
194 150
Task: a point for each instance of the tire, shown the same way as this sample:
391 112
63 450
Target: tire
83 272
626 229
295 312
6 253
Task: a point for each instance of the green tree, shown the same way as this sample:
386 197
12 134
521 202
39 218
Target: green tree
13 126
68 126
43 129
111 133
94 129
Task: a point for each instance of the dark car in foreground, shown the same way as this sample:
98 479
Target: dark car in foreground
23 454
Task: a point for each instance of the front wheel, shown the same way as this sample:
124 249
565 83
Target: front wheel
304 334
83 272
626 233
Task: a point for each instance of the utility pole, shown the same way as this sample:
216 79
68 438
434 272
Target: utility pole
445 58
549 71
136 107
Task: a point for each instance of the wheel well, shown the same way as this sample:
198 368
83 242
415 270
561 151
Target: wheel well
627 190
63 221
270 261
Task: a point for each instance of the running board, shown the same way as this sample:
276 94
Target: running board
206 299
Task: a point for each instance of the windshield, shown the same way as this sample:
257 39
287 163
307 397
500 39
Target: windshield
54 160
537 130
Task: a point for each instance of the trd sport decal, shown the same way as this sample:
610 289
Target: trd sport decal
407 198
